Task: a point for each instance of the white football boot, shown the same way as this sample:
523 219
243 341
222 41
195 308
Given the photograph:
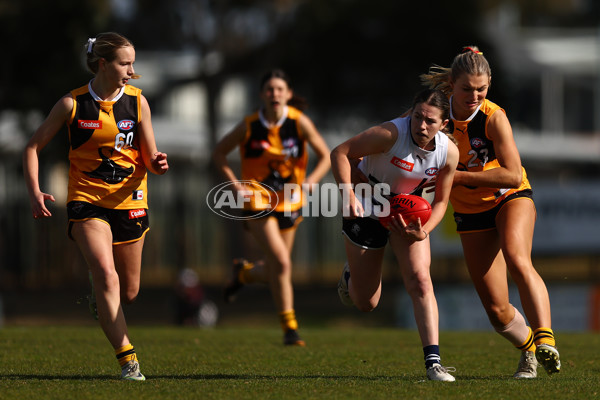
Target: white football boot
438 373
527 368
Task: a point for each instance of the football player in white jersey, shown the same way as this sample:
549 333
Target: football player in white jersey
406 154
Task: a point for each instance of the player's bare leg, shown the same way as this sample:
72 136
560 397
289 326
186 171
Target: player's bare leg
94 239
515 222
364 267
276 245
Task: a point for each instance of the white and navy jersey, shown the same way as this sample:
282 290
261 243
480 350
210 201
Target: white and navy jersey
406 167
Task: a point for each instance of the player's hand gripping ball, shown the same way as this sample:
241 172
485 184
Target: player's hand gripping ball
411 208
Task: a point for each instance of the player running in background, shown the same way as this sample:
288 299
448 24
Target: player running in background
494 211
273 151
405 153
112 146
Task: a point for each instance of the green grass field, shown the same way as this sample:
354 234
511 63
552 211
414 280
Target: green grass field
245 363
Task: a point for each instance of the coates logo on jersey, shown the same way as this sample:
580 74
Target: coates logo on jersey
259 144
89 124
477 143
402 164
431 171
125 125
133 214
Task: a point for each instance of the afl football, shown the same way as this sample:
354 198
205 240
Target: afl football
410 206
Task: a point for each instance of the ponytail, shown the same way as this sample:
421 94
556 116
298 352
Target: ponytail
470 61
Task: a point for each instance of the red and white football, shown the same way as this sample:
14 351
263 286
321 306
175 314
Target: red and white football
410 206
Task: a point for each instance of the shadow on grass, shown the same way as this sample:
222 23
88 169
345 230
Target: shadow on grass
215 377
16 377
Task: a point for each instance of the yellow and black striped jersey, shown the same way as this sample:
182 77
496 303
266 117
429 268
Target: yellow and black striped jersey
107 168
477 154
275 155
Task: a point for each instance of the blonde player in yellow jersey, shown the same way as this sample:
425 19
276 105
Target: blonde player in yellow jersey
494 212
272 143
112 146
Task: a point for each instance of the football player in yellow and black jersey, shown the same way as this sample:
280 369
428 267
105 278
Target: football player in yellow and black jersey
112 147
495 213
273 150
